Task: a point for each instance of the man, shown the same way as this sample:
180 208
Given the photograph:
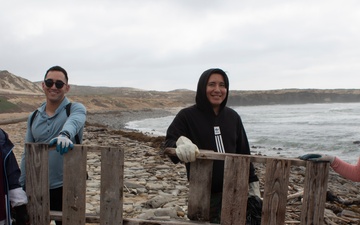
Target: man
209 124
11 192
51 124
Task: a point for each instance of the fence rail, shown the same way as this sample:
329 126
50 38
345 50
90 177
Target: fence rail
112 180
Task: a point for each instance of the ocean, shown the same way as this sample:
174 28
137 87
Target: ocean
289 130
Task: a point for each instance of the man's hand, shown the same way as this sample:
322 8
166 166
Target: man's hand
318 158
186 151
63 143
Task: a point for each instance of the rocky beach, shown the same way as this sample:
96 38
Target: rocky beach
155 188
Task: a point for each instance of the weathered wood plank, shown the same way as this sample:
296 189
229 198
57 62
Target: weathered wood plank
200 190
90 218
74 199
112 183
315 187
37 182
275 193
235 190
158 222
211 155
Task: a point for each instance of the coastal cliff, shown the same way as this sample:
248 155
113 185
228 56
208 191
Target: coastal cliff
20 95
293 96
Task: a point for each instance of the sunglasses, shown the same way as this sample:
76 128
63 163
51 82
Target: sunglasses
58 84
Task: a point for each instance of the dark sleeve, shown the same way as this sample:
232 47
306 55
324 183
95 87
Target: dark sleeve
176 129
12 171
244 148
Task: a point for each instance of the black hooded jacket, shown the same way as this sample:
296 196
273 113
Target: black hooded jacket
10 174
12 170
197 123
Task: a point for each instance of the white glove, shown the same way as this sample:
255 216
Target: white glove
254 189
17 197
63 143
186 151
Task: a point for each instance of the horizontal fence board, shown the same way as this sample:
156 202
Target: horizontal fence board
160 222
90 218
208 154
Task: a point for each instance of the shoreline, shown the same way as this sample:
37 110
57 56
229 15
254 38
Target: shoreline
119 119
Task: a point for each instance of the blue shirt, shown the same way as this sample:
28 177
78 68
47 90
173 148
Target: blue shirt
44 128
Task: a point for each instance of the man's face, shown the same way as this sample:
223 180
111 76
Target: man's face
216 90
54 94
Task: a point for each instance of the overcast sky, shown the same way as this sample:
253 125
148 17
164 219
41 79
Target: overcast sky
167 44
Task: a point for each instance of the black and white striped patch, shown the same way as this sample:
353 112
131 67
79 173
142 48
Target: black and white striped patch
218 140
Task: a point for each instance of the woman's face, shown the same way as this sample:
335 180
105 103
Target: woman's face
216 90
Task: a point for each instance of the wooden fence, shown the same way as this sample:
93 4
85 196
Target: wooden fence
111 190
74 185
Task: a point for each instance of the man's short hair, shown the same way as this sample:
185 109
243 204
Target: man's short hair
57 68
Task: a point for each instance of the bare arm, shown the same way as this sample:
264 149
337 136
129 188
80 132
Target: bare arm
349 171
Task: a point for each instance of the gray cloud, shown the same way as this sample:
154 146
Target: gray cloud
165 45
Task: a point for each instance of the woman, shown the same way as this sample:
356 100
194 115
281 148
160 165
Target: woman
210 124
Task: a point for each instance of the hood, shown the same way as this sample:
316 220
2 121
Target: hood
201 100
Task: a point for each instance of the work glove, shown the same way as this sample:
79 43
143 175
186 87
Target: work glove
254 189
20 215
63 143
185 150
318 158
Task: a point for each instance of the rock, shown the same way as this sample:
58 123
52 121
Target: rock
350 214
158 201
133 185
170 212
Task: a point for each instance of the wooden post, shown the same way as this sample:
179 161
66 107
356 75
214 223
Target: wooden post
74 186
112 183
37 183
235 190
315 187
275 192
200 190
